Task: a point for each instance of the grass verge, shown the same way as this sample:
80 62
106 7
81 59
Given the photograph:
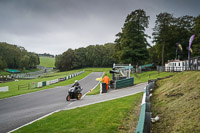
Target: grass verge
47 61
106 117
176 102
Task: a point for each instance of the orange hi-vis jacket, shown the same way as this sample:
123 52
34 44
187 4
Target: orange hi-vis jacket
106 80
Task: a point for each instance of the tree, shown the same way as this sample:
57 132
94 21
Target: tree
196 31
67 60
167 32
161 32
79 58
131 44
13 56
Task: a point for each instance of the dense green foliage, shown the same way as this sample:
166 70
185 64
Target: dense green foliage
91 56
13 56
119 115
47 61
168 31
131 43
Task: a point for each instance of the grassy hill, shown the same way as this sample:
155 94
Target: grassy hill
47 61
177 102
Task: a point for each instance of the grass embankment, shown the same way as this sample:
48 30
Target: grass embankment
107 117
47 61
176 102
145 76
106 71
13 85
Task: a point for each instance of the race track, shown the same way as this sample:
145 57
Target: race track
17 111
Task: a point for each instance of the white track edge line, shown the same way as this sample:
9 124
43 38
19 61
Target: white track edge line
34 121
92 88
104 100
70 109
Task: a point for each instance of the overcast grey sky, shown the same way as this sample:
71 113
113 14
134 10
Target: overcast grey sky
53 26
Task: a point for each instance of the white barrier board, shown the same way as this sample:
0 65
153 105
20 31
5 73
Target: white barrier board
3 89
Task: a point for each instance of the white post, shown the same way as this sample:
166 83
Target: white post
100 87
129 69
114 65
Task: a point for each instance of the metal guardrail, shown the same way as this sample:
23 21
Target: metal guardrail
46 83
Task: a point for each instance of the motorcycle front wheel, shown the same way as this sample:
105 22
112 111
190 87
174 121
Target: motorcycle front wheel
68 98
79 96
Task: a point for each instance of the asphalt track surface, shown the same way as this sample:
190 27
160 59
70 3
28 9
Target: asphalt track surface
17 111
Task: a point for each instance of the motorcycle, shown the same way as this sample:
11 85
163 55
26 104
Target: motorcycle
74 93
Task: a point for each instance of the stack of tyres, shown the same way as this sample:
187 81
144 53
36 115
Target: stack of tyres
104 90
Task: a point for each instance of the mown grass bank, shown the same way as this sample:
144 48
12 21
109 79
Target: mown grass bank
177 102
107 117
47 61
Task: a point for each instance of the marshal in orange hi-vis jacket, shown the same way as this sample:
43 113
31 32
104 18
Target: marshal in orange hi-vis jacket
106 80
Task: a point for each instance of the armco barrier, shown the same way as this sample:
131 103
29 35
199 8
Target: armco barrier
124 83
45 83
39 84
144 123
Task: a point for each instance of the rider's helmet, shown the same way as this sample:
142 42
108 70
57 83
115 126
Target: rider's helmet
76 81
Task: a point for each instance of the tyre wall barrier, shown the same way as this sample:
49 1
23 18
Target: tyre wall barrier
144 123
124 83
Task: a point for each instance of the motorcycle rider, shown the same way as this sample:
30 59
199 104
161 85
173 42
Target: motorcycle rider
76 85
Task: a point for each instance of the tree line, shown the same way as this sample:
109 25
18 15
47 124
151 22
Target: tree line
16 57
91 56
131 44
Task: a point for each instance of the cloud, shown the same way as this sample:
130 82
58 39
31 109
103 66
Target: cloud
53 26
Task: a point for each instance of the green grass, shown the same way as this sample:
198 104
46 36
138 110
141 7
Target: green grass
47 61
107 117
13 85
176 102
31 70
145 76
3 73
